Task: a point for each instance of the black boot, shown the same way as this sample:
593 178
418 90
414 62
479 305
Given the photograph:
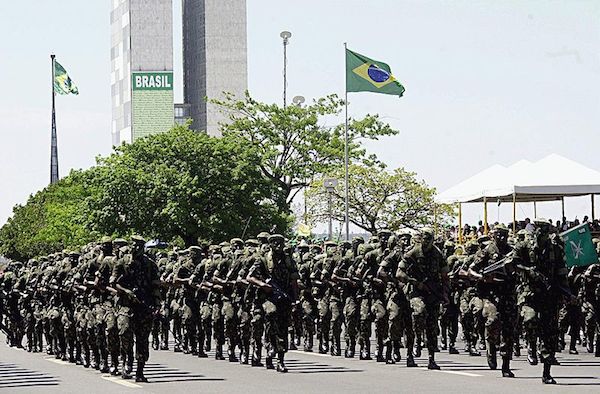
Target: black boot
231 354
597 352
379 358
506 372
308 343
472 349
139 373
256 356
396 348
219 353
365 353
452 348
338 346
532 353
410 361
269 362
280 364
432 364
124 373
546 377
491 357
388 353
573 346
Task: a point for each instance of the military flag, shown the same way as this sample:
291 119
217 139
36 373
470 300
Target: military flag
579 248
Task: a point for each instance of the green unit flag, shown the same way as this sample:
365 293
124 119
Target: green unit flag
368 75
579 248
62 82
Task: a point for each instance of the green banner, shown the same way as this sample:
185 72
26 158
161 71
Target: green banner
152 80
579 248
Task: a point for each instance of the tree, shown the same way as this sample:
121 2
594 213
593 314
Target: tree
294 143
184 184
378 198
50 221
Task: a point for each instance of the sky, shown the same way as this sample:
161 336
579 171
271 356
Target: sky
487 82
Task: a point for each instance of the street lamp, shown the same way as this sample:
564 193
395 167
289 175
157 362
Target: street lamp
285 35
330 184
298 100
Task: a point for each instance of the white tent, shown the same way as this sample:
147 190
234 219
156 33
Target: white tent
549 179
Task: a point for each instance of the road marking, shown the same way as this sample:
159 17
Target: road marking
310 353
460 373
58 361
121 381
105 377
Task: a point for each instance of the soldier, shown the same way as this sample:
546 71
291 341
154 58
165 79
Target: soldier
308 303
591 304
189 307
424 271
345 274
470 305
449 312
549 273
499 309
276 277
244 294
397 305
135 278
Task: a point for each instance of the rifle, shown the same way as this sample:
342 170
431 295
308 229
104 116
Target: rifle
278 296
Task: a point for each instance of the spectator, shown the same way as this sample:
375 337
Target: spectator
529 227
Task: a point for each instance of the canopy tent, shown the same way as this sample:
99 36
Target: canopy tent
549 179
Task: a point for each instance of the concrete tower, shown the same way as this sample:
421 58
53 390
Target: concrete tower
214 57
141 68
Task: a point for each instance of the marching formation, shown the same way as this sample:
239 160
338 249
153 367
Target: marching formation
253 300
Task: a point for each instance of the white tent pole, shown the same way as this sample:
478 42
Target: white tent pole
485 218
460 230
593 210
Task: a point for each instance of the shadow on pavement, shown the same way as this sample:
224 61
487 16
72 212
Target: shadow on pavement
306 367
11 376
158 373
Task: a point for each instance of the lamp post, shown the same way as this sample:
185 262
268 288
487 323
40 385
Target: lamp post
330 184
285 35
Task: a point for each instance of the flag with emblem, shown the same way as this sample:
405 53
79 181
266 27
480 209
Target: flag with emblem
368 75
62 82
579 248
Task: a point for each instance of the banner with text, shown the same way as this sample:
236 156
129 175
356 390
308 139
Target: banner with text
151 102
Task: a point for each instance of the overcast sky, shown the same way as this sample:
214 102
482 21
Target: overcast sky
486 81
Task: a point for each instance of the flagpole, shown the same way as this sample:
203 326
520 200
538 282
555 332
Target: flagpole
346 148
53 139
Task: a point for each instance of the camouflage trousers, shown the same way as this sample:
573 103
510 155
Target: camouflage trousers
257 325
570 317
205 326
399 319
591 320
189 320
230 323
309 315
466 306
499 315
134 324
324 324
425 319
351 318
218 323
449 314
277 320
365 320
336 311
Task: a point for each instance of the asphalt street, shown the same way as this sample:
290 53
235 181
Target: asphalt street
170 372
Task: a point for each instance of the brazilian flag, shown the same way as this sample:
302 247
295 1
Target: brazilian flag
368 75
62 82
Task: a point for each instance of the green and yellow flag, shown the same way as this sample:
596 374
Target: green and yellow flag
368 75
62 81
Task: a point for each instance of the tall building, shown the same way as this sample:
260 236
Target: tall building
141 68
214 62
214 57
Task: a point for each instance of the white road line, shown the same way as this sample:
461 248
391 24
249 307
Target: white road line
110 378
310 354
460 373
121 382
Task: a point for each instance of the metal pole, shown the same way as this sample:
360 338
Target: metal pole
485 217
460 230
593 209
534 210
284 73
514 213
562 203
330 216
53 137
346 183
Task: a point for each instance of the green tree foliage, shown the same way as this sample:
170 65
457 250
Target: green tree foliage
177 186
295 144
378 198
184 184
51 220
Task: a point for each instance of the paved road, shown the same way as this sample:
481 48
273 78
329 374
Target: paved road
168 372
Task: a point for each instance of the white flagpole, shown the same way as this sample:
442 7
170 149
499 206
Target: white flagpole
346 147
